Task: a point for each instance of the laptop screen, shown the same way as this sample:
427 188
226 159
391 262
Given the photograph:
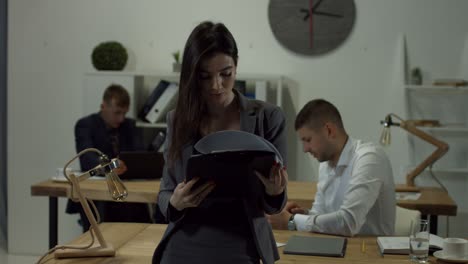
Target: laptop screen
142 165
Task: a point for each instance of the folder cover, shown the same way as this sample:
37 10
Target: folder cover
316 246
229 158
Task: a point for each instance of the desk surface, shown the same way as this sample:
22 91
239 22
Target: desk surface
135 243
433 201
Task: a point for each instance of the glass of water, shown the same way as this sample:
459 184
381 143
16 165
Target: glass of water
419 241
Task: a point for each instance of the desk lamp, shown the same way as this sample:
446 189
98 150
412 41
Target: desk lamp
117 191
409 126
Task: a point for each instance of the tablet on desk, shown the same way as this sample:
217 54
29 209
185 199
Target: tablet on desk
142 165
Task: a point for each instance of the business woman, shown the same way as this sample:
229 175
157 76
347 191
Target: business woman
229 230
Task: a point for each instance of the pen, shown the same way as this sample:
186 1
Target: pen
363 246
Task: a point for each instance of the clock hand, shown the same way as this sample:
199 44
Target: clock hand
307 13
316 5
327 14
311 28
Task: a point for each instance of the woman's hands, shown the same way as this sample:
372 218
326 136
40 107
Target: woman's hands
276 181
184 197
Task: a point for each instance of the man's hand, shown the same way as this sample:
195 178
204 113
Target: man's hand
279 221
294 208
122 168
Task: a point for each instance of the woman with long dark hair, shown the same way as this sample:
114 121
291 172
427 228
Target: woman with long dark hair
226 231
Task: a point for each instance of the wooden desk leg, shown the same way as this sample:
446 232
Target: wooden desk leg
432 223
53 221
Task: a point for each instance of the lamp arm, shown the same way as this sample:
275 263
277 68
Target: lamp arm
442 148
77 156
103 249
87 210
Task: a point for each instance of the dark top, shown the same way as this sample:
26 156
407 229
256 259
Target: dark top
92 132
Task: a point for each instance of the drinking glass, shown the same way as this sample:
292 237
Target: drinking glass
419 241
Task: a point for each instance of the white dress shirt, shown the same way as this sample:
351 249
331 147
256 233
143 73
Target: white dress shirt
355 197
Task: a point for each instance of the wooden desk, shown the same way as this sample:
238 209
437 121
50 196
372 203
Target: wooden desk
433 201
135 243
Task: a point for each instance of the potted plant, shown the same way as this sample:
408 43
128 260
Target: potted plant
176 65
416 76
109 56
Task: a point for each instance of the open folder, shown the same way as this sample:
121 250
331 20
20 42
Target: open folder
230 158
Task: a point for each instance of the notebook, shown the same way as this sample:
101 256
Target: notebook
316 246
400 245
142 165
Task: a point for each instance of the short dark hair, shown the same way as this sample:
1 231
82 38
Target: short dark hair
316 113
117 92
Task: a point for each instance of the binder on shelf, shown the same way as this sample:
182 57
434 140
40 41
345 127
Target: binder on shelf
163 104
154 96
261 90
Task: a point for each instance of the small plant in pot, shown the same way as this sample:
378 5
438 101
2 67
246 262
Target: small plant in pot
176 66
109 56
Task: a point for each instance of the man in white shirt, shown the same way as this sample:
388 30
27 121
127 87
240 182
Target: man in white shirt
355 191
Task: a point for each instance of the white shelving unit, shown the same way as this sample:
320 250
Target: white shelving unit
140 84
449 106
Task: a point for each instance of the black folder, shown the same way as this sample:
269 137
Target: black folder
232 170
316 246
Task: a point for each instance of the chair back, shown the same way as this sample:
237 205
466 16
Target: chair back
404 218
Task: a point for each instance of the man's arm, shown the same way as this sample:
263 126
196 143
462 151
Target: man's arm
83 140
361 194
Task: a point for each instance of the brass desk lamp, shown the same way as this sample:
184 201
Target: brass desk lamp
117 191
409 126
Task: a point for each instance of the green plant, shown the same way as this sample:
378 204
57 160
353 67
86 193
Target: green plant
176 56
109 56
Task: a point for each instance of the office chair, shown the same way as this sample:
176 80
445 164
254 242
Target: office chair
404 218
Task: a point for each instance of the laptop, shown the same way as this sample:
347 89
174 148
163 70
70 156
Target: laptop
142 165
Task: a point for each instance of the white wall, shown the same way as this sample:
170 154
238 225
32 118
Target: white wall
50 42
3 115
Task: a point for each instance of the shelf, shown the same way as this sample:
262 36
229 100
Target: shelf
446 170
150 125
239 76
437 89
459 129
132 73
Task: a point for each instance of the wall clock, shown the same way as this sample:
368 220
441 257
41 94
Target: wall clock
311 27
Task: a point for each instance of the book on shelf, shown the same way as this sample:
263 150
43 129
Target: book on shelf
316 246
163 104
241 86
152 98
400 245
229 159
450 82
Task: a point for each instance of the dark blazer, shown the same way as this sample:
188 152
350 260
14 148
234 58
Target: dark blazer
91 132
262 119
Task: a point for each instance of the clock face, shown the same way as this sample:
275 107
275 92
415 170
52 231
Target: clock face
311 27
